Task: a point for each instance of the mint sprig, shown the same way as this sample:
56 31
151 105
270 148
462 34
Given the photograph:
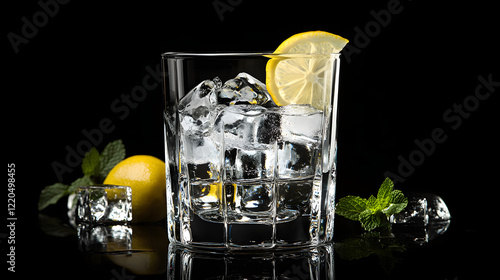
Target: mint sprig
95 167
374 211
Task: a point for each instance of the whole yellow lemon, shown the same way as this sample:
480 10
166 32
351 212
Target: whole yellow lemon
146 176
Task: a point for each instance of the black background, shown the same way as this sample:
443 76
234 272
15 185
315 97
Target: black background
426 58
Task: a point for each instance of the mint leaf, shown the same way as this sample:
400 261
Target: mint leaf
384 193
353 249
350 207
95 168
394 209
373 212
371 244
55 226
372 203
369 219
397 203
90 163
51 194
80 182
397 196
112 154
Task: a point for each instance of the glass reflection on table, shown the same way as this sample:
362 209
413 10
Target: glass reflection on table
306 263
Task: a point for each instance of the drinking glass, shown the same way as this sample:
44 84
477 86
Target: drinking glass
243 172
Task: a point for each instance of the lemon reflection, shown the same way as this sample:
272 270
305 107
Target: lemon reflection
140 249
148 255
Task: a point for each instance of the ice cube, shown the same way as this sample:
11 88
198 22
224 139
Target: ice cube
240 124
437 209
197 109
104 238
414 213
295 195
256 197
301 130
244 89
98 204
205 196
200 143
425 217
198 149
297 160
250 202
250 133
253 164
218 82
104 204
423 209
269 130
301 123
202 156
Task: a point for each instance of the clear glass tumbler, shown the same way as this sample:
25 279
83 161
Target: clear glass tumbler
250 165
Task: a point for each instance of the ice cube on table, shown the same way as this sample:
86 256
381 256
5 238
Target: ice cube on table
425 217
414 213
423 209
104 204
437 209
244 89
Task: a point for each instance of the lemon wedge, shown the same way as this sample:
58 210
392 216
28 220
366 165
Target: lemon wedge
306 77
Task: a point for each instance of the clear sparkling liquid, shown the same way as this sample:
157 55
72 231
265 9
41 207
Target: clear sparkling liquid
249 175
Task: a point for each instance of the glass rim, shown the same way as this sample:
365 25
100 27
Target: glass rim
269 54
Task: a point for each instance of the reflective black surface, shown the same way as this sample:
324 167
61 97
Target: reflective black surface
429 71
142 252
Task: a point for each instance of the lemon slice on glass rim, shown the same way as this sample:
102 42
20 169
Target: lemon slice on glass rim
303 79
